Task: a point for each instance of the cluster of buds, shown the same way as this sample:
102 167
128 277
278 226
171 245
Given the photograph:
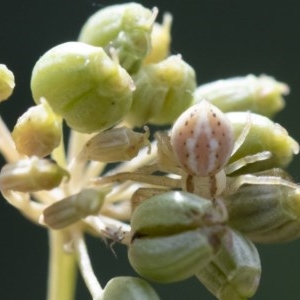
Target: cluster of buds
187 201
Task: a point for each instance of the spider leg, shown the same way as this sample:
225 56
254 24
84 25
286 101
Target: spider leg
241 138
249 159
139 177
234 183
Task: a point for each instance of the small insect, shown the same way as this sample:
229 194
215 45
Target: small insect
116 235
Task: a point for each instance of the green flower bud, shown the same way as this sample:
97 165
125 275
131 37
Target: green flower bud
163 91
83 85
160 40
31 175
234 272
7 82
128 288
73 208
264 135
266 213
262 94
126 28
38 131
174 235
114 145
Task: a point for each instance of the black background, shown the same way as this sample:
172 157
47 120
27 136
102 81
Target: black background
220 38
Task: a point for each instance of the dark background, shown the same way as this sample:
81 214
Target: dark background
220 38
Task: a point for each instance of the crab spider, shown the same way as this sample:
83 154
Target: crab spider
195 157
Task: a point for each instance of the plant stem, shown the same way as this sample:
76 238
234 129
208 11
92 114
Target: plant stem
62 269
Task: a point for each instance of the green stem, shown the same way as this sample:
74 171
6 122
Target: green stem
62 269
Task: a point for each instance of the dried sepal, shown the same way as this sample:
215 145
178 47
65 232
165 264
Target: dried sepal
38 131
31 175
163 91
258 94
114 145
160 40
128 288
165 153
73 208
124 27
7 82
264 135
83 85
234 272
173 235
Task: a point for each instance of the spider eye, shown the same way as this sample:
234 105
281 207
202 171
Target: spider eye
202 139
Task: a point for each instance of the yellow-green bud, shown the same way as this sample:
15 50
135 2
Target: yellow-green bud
7 82
128 288
163 91
126 28
31 175
38 131
174 235
264 135
234 272
259 94
114 145
73 208
266 213
160 40
83 85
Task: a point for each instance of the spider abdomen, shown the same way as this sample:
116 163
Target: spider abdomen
202 139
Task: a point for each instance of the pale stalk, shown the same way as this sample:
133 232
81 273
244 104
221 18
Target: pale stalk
7 145
21 201
62 268
85 267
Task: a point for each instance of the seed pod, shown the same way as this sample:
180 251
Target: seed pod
128 288
173 236
114 145
202 139
126 28
258 94
7 82
266 213
160 40
234 272
38 131
264 135
83 85
163 91
31 175
73 208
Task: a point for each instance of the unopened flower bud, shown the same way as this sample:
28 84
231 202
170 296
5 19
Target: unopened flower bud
128 288
264 135
266 213
83 85
38 131
174 235
73 208
7 82
258 94
31 175
234 272
163 91
160 40
126 28
114 145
